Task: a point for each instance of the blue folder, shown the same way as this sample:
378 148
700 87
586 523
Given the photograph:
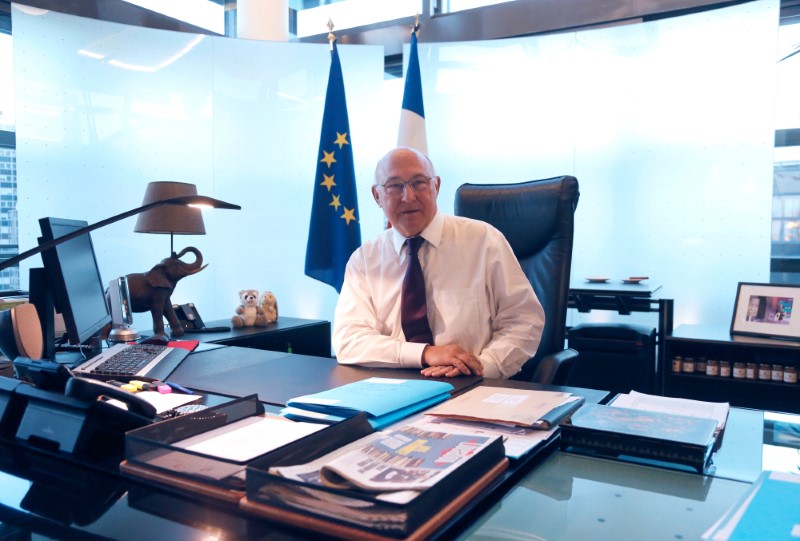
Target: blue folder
385 400
774 511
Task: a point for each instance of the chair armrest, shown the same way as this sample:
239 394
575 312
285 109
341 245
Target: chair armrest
554 368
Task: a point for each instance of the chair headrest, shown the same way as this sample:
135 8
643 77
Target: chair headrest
527 213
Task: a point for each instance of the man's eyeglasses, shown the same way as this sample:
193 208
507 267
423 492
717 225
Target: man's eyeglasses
395 188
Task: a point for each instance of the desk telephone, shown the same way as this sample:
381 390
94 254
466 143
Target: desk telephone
57 378
191 321
90 390
75 415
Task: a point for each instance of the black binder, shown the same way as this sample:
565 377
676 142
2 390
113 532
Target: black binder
623 432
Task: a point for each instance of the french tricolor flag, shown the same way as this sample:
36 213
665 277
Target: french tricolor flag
412 116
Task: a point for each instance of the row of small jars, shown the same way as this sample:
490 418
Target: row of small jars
736 370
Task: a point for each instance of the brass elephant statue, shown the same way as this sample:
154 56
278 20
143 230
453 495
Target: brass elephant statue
151 291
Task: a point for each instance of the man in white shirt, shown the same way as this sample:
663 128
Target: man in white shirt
483 315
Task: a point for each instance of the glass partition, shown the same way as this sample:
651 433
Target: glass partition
103 109
668 126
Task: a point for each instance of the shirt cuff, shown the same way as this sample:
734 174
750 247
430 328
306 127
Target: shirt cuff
411 354
490 370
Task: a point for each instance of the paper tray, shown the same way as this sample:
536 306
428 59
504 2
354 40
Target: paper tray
352 533
353 514
152 453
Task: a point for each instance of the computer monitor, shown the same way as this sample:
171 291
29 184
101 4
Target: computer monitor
74 280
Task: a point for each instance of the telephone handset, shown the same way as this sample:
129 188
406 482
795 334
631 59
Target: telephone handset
89 390
191 321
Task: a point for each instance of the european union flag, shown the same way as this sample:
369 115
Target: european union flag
334 232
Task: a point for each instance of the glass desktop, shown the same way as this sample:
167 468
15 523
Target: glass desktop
565 497
571 496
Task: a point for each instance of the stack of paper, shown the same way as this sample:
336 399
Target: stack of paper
717 411
769 510
519 407
524 418
385 400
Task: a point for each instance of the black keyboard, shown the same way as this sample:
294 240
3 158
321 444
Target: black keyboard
129 361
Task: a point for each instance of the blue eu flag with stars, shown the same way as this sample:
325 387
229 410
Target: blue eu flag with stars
334 232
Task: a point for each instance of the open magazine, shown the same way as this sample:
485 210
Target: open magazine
400 460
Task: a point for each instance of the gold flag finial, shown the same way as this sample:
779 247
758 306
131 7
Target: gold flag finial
415 28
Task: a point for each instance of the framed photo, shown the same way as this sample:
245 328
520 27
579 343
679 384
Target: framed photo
767 310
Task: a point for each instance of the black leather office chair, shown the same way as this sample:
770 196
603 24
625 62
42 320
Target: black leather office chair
537 218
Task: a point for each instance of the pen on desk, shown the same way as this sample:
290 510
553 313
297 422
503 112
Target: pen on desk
179 388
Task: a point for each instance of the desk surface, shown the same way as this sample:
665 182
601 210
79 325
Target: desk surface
565 497
646 288
305 336
577 497
55 498
574 497
277 377
581 497
283 324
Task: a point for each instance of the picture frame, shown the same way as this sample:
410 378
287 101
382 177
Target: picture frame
767 310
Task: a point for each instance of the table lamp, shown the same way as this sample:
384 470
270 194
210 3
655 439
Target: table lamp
173 220
10 327
200 201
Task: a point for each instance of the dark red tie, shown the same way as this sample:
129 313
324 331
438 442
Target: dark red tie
413 306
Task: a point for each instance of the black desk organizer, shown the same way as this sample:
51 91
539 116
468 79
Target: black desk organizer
151 451
11 407
355 514
65 492
152 447
71 464
91 432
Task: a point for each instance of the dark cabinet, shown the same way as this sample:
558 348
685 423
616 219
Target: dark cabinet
292 335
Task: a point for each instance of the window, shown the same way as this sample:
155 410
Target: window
785 259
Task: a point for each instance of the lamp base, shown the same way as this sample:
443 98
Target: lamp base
123 334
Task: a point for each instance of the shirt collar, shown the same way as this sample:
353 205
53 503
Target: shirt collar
432 233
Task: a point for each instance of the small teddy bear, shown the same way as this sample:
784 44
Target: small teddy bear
249 313
270 306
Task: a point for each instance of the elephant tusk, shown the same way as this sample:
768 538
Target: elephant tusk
198 270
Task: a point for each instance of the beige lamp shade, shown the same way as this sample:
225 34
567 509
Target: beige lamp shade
173 219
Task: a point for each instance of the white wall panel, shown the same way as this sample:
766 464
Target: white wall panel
668 126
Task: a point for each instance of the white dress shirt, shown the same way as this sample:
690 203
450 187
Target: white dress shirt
477 296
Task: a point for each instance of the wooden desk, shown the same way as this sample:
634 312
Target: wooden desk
288 334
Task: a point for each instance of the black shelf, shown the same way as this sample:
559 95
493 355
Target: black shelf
718 344
288 334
